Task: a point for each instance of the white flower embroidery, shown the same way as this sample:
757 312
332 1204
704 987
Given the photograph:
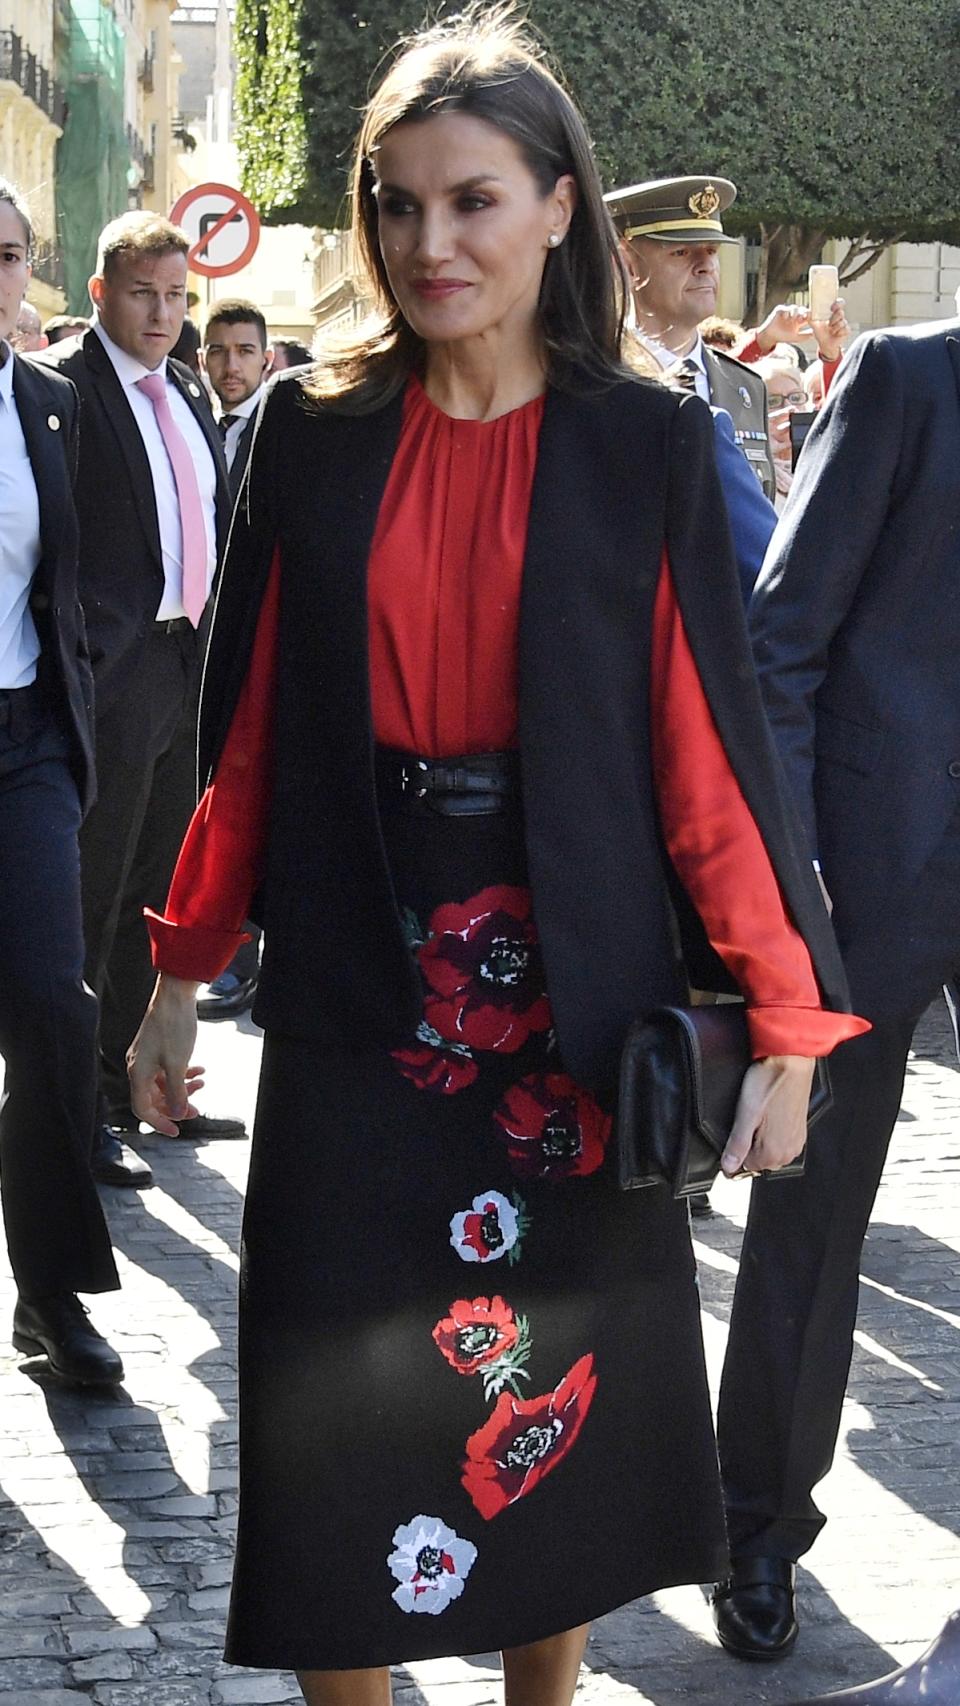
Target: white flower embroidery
487 1230
431 1564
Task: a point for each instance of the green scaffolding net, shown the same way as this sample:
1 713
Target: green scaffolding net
93 154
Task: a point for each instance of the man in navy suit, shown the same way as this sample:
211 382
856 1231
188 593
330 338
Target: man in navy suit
236 359
153 507
56 1233
856 626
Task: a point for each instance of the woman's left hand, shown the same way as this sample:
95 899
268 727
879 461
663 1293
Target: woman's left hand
770 1125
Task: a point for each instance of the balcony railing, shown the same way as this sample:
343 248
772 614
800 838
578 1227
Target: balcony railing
148 181
18 65
145 72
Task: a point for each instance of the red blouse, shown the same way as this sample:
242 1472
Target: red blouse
444 592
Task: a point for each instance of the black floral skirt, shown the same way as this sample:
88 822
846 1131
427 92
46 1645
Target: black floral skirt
473 1404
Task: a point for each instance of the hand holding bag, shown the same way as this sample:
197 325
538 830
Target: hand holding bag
680 1077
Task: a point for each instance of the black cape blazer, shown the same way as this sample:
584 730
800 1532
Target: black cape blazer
49 411
619 475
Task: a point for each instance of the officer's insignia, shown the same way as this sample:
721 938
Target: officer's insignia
705 202
745 397
194 390
53 422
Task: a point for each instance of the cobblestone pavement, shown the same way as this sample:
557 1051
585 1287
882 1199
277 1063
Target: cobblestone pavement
116 1511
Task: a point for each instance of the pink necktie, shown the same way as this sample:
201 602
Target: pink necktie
194 533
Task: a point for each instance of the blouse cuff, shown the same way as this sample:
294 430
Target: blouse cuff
800 1030
191 951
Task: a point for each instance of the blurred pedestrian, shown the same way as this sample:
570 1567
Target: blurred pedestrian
868 728
288 352
236 359
62 326
785 395
439 1100
28 335
153 507
56 1234
671 233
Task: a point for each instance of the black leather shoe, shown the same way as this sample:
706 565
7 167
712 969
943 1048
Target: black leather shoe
932 1680
59 1328
700 1205
755 1609
205 1127
226 996
113 1163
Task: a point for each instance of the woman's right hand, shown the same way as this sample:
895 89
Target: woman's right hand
162 1078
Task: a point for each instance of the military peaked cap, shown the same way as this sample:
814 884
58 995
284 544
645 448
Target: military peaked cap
673 210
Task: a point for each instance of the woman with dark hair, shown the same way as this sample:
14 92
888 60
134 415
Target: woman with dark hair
455 727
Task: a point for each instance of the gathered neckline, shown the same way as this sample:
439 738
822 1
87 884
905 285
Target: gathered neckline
417 390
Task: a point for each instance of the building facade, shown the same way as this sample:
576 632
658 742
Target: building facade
31 124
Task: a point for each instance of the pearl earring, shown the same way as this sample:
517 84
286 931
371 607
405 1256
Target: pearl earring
553 241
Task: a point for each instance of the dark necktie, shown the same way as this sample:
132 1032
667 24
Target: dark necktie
224 422
685 374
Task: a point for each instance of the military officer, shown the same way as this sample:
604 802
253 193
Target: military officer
671 231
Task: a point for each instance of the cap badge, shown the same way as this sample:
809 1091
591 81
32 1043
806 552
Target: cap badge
745 397
704 203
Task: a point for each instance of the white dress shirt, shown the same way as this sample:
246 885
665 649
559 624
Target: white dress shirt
668 358
19 540
128 370
241 413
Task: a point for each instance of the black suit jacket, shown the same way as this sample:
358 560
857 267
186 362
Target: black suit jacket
592 563
856 618
48 409
238 466
121 568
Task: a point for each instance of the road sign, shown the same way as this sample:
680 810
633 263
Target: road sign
223 228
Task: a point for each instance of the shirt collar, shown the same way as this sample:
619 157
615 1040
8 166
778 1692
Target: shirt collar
668 358
243 411
6 374
126 367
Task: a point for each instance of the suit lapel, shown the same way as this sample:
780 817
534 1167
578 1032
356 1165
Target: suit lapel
123 425
44 443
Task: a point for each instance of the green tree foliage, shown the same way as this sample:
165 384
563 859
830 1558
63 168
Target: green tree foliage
833 121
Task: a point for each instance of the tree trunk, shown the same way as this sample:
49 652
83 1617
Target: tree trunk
788 250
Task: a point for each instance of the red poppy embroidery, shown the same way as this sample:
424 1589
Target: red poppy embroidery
553 1128
485 1337
432 1064
524 1438
476 1333
484 972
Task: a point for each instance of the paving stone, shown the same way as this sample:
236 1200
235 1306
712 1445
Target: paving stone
85 1638
43 1697
156 1692
262 1690
30 1673
202 1633
103 1667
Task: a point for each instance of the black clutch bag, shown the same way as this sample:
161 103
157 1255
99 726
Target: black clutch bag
680 1077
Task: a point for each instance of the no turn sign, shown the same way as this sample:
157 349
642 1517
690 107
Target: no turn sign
223 228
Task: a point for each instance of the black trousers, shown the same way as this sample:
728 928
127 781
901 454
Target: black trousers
146 792
56 1233
795 1305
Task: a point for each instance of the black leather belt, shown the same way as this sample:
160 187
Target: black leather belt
22 708
174 625
455 787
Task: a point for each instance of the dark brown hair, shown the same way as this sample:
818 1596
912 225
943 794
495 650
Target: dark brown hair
485 63
236 311
10 194
138 233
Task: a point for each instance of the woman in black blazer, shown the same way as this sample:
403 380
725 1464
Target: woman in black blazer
56 1233
450 711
